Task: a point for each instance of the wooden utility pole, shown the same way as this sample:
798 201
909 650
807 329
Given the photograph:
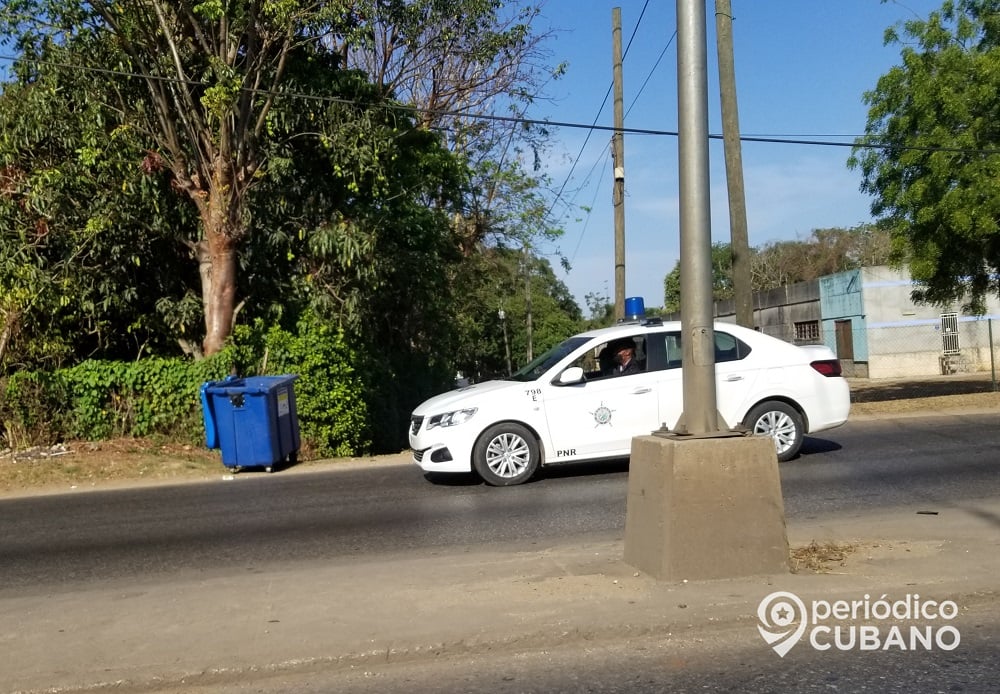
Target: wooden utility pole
740 245
618 154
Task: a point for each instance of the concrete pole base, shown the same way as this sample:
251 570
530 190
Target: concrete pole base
705 508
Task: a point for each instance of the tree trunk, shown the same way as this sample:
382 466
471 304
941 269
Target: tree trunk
220 293
220 207
219 248
7 333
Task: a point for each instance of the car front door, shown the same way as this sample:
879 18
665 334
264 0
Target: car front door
598 416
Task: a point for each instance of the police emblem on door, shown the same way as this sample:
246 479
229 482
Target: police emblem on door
602 415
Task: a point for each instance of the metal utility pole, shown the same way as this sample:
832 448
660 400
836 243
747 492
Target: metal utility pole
618 154
742 289
698 336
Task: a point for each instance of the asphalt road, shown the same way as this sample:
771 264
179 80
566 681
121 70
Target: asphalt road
724 661
257 520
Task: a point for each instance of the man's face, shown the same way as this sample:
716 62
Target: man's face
623 354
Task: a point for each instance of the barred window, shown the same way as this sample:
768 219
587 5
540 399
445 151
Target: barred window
807 331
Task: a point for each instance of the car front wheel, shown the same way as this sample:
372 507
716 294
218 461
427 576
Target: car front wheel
506 454
781 422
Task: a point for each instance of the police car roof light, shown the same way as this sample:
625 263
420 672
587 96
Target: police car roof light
635 308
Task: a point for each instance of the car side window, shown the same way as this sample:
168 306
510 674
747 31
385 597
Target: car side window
591 363
727 348
600 362
674 350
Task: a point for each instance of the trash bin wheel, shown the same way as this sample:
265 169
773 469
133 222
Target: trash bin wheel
269 468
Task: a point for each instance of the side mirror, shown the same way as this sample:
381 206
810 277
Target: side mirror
573 374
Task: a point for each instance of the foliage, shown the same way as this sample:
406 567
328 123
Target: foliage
722 279
460 63
83 254
931 153
518 284
32 409
224 99
104 399
602 311
101 399
824 252
172 169
329 391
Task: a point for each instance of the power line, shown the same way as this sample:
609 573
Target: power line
605 158
520 120
600 110
649 75
586 140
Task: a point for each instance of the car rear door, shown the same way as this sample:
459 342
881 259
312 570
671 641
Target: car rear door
737 369
735 376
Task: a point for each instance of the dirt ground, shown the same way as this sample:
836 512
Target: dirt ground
78 464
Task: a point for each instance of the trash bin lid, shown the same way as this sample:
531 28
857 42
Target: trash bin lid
252 385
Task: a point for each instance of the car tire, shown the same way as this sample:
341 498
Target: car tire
506 454
780 421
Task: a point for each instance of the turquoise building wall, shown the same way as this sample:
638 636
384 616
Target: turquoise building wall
841 297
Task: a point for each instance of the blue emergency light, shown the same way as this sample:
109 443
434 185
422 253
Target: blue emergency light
635 308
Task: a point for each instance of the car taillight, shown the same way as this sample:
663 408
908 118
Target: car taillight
827 367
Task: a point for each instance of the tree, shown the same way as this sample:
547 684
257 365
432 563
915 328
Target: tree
824 252
495 280
930 156
601 309
219 90
460 64
722 279
86 244
207 80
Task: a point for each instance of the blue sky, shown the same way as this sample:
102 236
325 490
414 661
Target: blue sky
802 67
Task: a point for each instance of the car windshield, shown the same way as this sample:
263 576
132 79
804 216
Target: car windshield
539 365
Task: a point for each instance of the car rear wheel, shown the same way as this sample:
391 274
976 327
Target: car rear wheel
506 454
781 422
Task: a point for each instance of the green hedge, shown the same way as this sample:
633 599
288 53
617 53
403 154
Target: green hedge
96 400
104 399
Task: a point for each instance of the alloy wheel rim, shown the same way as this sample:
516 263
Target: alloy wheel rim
778 426
508 455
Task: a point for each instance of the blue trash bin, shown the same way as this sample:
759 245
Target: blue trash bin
253 420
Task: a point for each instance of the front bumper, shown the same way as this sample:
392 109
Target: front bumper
438 459
443 449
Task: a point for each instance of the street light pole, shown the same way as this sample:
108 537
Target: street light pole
698 337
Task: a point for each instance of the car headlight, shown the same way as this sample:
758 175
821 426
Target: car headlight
450 419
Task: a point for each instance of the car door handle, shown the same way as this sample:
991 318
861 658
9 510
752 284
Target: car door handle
640 391
734 377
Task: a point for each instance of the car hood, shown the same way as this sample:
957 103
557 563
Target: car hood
463 397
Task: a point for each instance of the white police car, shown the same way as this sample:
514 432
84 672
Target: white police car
567 405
